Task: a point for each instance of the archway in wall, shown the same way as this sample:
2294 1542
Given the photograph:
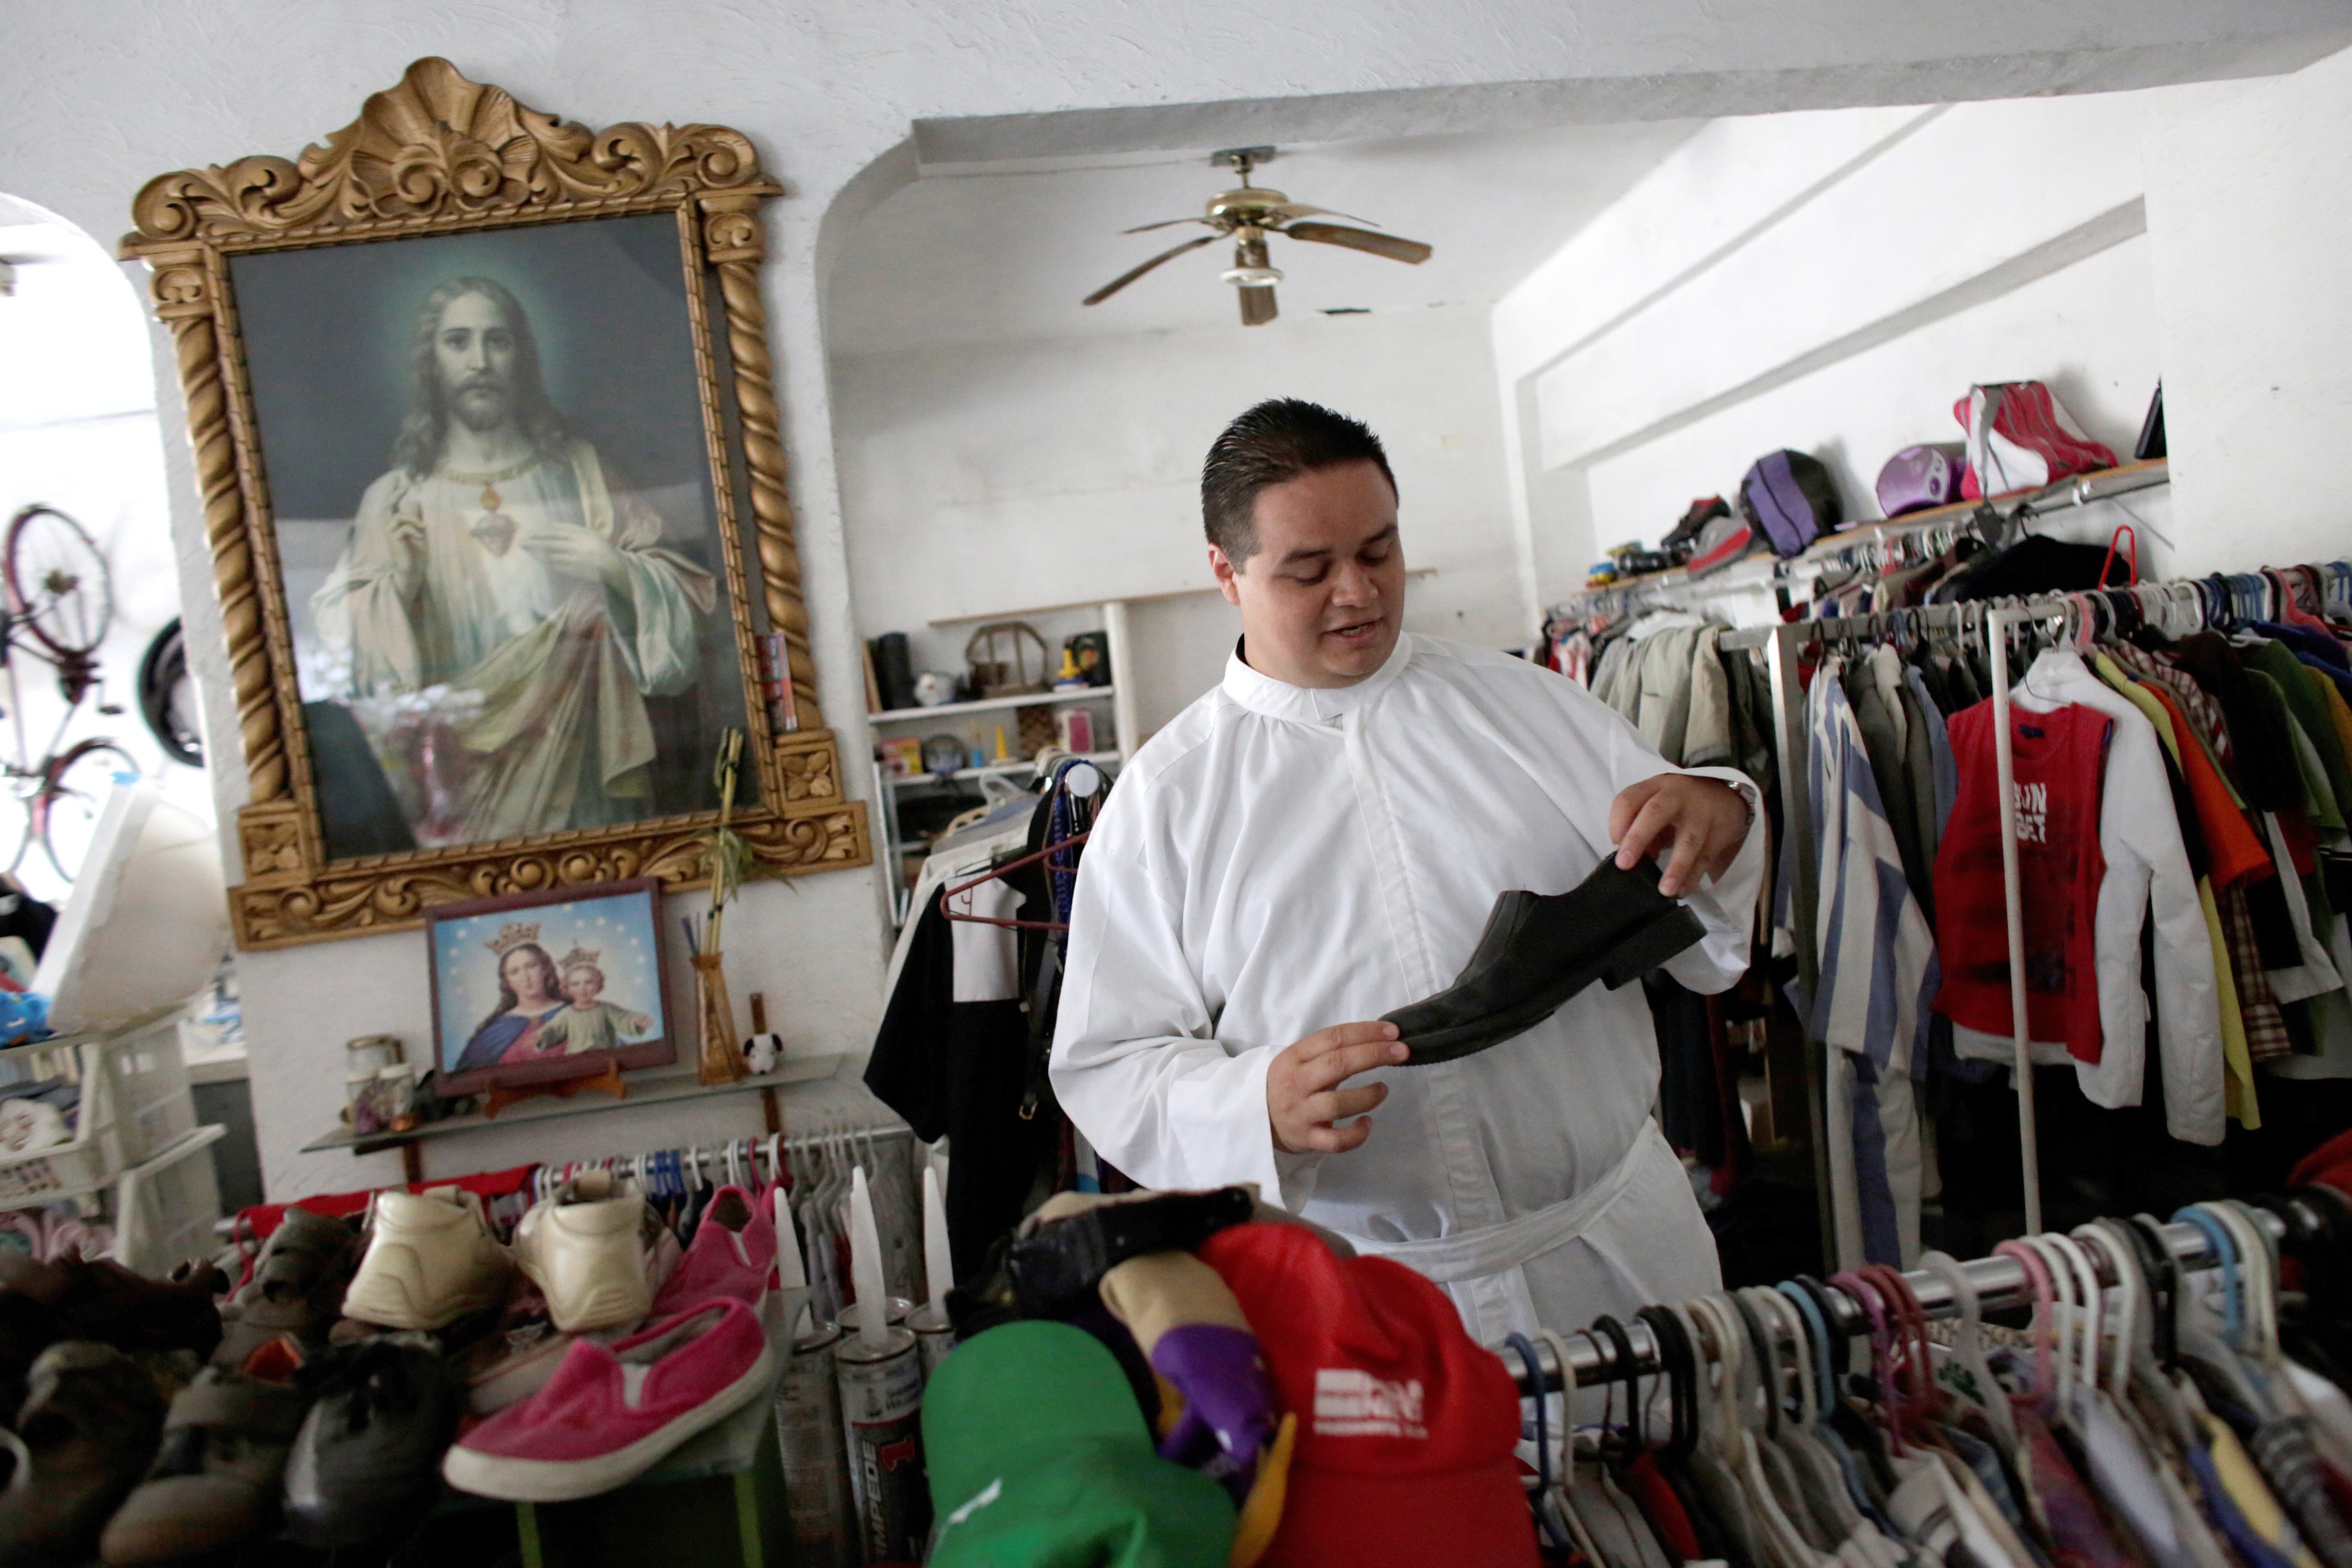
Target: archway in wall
78 433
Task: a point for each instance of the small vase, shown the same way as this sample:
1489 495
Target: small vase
721 1059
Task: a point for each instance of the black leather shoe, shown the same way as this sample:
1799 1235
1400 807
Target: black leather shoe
1539 950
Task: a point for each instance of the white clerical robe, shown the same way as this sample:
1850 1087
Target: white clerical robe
547 675
1280 859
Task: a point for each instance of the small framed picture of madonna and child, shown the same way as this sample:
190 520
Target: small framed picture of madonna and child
536 987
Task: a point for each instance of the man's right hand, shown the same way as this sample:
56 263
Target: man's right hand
1303 1097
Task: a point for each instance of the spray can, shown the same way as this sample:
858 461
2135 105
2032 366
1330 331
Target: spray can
934 1336
881 1417
816 1464
896 1310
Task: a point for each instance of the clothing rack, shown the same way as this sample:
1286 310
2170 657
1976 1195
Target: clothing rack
2220 599
1999 1283
711 1164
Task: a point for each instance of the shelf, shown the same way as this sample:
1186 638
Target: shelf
663 1086
2074 489
1012 765
990 705
1116 599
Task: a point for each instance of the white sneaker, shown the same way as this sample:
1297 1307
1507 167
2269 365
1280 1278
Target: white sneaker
430 1260
585 1249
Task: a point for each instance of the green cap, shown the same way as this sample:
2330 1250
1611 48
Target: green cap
1039 1457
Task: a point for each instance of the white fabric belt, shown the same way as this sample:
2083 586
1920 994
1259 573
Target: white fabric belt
1490 1249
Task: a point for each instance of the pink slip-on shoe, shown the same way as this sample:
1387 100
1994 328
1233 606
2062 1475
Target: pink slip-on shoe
734 1252
612 1412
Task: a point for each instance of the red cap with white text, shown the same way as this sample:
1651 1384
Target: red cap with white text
1406 1426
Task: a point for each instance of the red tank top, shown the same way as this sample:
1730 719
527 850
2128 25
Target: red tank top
2057 762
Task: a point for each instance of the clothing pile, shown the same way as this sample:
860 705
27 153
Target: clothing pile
364 1358
1192 1380
2151 1417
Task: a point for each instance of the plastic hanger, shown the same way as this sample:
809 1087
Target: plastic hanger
1881 1343
1968 1347
2065 1320
2038 1276
2225 1249
2259 1272
2124 1265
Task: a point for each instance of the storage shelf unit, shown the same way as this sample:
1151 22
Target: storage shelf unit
1122 735
991 705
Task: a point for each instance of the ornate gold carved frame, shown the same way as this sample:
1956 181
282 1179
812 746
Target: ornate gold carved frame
436 154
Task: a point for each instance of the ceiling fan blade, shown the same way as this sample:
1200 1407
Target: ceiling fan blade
1388 245
1300 209
1124 278
1257 305
1165 223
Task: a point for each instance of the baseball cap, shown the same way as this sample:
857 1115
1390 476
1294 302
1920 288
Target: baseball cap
1039 1455
1406 1426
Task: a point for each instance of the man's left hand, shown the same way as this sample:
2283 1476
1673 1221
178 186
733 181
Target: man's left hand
1702 822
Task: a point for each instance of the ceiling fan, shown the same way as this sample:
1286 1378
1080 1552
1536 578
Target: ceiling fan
1248 214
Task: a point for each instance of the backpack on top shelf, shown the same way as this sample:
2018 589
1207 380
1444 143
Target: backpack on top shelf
1788 497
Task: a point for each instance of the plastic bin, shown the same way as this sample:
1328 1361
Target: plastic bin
148 1077
87 1161
166 1215
135 1103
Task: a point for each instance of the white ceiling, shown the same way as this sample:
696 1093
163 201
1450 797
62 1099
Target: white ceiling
1005 254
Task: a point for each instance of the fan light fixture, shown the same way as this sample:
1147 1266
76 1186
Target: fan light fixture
1247 214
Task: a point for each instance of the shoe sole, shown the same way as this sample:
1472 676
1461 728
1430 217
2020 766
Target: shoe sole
600 1307
391 1307
512 1480
1653 944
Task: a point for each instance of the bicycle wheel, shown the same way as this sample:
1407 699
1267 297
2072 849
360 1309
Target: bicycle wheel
74 789
167 698
58 582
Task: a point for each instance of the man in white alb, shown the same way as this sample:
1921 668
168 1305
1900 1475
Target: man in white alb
1318 842
499 568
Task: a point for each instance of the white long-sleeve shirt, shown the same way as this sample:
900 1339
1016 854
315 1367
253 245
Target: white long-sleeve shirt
2147 876
1280 859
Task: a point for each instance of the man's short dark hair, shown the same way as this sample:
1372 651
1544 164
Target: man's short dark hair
1272 444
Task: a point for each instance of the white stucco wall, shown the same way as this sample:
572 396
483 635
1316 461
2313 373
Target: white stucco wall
97 97
998 477
2250 197
1831 282
1835 281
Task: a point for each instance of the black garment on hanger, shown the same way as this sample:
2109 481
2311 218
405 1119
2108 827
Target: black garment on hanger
957 1069
2033 566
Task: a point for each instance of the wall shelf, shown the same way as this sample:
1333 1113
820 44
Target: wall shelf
662 1086
991 705
993 770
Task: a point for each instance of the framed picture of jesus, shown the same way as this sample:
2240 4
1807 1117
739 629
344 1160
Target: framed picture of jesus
545 986
485 418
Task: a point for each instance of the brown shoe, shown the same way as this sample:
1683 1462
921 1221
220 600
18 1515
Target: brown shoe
216 1474
67 1299
87 1433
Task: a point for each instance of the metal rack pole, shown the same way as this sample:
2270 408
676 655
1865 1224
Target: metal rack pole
1797 828
2001 1283
1997 626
